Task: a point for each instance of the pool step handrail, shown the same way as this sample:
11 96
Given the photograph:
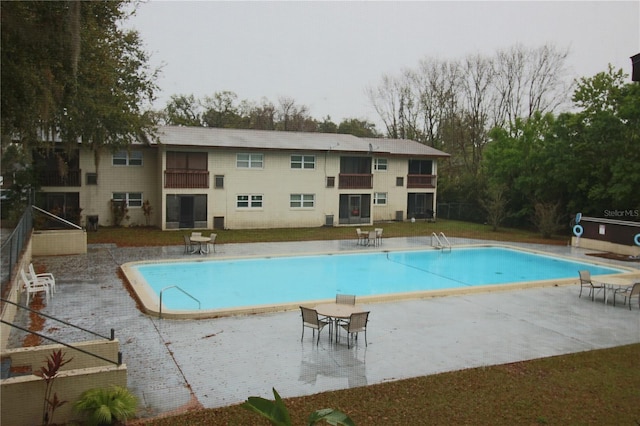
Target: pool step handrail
177 288
442 241
446 240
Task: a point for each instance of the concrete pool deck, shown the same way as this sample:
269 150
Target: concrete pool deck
173 364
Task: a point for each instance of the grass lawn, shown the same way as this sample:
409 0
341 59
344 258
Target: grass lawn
590 388
142 236
599 387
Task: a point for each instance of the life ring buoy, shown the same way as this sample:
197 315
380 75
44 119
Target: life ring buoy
636 239
577 231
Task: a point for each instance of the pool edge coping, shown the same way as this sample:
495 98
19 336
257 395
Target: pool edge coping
148 303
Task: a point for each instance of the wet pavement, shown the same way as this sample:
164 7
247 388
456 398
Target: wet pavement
173 364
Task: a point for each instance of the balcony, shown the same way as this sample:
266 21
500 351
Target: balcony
355 181
186 179
53 178
421 181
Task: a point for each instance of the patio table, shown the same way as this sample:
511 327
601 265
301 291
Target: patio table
200 240
337 311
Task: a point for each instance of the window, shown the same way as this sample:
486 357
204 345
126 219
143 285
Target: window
331 181
399 181
92 178
135 158
380 164
218 181
120 158
127 158
249 161
249 201
177 160
133 199
303 162
380 198
298 201
420 167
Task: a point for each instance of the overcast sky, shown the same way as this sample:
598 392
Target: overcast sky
325 54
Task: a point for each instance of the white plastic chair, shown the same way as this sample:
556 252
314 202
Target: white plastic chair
33 287
46 278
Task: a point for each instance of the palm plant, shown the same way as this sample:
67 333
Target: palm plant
105 406
278 415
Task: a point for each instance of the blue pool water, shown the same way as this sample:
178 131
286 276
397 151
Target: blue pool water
219 284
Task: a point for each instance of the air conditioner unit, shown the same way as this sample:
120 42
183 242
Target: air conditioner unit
328 220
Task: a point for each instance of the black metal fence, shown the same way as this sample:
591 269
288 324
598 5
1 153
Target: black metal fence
12 248
460 211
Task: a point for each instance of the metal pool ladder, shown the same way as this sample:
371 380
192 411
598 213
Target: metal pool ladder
441 241
178 288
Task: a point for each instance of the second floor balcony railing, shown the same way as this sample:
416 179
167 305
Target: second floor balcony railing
53 178
355 181
186 179
421 181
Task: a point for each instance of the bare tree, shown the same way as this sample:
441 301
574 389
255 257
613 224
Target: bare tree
476 83
529 80
385 99
293 117
437 83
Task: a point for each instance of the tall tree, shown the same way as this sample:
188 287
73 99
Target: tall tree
221 110
294 117
529 80
360 128
602 143
183 110
70 69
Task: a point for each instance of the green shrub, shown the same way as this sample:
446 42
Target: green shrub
105 406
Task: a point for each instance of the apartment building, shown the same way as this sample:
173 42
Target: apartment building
194 177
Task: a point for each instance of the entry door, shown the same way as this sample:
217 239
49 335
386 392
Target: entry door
186 212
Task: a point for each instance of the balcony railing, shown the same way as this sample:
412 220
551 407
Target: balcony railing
53 178
355 181
421 181
186 179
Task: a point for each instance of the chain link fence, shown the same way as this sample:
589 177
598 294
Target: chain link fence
12 247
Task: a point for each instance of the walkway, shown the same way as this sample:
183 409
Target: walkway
219 362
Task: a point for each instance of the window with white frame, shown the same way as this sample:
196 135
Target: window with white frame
127 158
380 164
132 199
303 161
299 201
380 198
249 161
249 201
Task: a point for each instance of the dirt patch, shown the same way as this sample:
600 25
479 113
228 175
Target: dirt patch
614 256
36 323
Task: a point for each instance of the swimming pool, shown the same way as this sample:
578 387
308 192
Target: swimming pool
242 285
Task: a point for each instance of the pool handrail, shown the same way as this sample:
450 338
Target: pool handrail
176 287
440 245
